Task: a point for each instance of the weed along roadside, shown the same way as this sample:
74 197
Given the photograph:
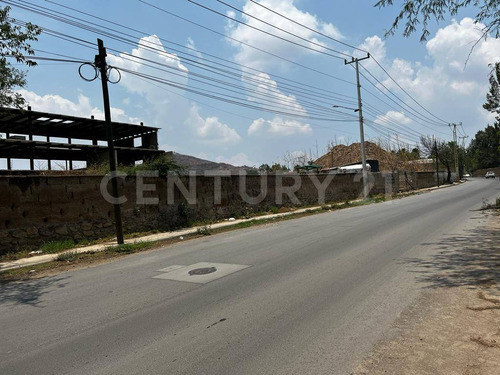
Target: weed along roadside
54 257
79 207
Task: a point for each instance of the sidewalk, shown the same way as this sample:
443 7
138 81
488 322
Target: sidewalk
39 259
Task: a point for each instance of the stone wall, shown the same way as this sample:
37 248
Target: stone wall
421 180
38 209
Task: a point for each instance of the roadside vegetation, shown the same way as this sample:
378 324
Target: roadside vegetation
69 258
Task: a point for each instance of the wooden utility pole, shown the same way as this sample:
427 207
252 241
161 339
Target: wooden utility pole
100 63
457 176
437 162
361 128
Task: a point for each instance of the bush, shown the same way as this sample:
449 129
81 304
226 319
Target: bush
68 256
204 231
57 246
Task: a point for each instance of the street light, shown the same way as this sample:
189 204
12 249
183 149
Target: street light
341 106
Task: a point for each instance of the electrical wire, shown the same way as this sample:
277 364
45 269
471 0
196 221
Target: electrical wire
246 44
307 27
271 25
260 81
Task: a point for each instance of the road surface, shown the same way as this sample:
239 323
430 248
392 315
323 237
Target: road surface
305 296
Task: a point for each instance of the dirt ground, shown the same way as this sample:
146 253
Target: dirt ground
454 327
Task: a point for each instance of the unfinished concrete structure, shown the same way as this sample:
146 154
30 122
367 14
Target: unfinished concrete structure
32 135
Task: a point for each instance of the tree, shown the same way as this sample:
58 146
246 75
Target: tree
416 12
483 149
493 96
14 43
445 152
265 168
277 167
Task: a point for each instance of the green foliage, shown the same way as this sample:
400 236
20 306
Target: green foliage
265 168
204 231
163 164
483 149
493 96
68 256
445 152
14 44
418 13
276 167
171 217
130 248
57 246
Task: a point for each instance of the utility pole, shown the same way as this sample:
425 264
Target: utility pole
361 129
437 162
463 140
455 147
100 63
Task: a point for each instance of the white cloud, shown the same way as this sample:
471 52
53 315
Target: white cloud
82 108
464 87
267 92
442 83
238 160
278 126
164 101
190 44
251 57
393 116
210 129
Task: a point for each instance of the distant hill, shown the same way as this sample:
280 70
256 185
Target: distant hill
198 165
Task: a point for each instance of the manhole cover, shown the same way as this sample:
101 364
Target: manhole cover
202 271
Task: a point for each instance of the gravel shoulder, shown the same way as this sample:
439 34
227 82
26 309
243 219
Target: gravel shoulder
454 327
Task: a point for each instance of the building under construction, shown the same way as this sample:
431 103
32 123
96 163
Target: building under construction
41 136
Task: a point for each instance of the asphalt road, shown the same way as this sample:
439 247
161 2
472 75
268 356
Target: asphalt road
319 292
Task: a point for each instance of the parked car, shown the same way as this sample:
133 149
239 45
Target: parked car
490 174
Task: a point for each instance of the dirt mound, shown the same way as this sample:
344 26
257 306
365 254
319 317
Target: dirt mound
344 155
388 161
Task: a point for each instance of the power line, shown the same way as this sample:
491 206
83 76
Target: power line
420 116
336 40
307 27
411 97
263 31
261 82
302 84
186 61
232 113
247 44
271 25
408 108
227 99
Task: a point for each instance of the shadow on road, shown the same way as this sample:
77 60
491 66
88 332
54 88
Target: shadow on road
28 292
470 260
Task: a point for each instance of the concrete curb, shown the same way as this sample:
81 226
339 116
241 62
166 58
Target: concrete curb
39 259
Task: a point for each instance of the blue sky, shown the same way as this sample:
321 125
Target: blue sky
432 73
